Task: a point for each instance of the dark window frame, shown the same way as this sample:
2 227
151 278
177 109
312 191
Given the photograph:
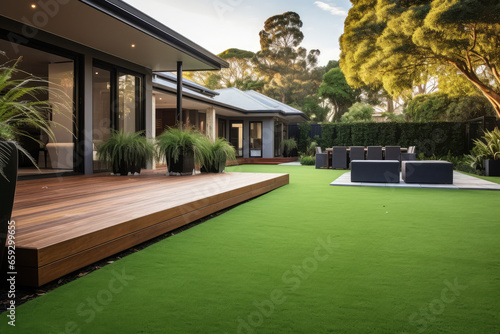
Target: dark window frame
250 139
242 139
140 101
78 100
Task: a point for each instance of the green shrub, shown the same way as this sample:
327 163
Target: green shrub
287 147
307 160
303 141
432 138
358 112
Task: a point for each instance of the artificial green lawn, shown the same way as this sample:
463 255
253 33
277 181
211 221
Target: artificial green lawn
305 258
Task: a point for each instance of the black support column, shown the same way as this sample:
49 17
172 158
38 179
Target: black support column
179 94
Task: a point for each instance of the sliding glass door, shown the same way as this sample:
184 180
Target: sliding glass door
117 105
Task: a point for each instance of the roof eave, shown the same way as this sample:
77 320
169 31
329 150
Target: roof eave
133 17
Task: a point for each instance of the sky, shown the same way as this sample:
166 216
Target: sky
218 25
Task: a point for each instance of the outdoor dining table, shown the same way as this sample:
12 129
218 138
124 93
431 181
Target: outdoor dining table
329 151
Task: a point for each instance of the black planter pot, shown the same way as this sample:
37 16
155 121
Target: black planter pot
213 168
124 168
492 167
184 165
289 153
8 190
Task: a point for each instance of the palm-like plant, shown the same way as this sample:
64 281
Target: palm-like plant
487 148
490 147
21 108
126 152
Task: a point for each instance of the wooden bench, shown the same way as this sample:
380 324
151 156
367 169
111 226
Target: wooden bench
383 171
427 171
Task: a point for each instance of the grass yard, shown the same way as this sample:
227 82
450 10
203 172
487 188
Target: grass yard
305 258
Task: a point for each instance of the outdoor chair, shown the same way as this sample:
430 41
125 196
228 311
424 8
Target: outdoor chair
357 153
410 155
339 157
321 158
374 153
393 153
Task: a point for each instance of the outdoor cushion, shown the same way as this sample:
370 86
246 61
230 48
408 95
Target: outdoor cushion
383 171
430 171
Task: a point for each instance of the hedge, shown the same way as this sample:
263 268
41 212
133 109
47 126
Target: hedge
431 138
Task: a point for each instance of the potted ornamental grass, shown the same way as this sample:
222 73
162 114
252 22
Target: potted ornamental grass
181 149
126 152
217 153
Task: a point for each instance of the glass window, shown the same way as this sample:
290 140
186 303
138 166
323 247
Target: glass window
52 156
255 139
117 105
202 125
102 115
221 128
128 102
236 137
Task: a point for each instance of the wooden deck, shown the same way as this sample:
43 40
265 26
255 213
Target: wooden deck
261 161
63 224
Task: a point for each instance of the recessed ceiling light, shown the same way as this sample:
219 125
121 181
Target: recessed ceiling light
133 45
96 73
33 6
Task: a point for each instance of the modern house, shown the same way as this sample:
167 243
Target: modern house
114 65
253 123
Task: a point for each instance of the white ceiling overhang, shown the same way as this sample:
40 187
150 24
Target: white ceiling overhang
115 28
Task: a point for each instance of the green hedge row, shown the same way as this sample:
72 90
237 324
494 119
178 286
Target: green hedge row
432 138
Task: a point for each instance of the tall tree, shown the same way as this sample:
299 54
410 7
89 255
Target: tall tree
241 72
398 44
287 66
335 88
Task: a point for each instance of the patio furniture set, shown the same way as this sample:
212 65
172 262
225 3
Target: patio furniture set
384 164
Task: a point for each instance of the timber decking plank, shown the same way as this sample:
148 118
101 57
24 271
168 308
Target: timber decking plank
102 211
83 219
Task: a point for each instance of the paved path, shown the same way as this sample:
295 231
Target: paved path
460 181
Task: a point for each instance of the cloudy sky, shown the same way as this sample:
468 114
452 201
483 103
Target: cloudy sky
218 25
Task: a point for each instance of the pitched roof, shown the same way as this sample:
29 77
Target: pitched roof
246 102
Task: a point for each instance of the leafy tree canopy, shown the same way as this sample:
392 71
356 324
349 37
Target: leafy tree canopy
442 107
234 53
358 112
312 108
240 73
398 44
335 88
287 67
